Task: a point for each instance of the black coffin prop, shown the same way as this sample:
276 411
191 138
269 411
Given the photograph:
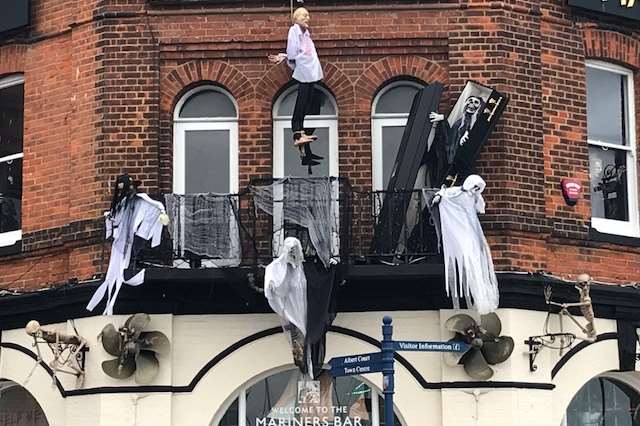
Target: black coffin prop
492 104
410 155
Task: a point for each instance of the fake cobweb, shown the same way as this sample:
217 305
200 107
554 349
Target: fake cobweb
205 225
310 203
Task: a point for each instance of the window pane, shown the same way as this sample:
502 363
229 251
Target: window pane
586 406
10 195
604 402
208 103
617 405
18 407
608 173
207 161
11 119
396 422
292 162
285 109
231 416
397 100
278 398
263 396
391 138
605 106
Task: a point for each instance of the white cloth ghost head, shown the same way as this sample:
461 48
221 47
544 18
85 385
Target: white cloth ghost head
292 250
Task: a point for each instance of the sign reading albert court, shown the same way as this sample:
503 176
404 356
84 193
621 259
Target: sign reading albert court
625 8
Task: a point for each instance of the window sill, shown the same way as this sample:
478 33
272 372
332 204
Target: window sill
10 242
15 248
595 235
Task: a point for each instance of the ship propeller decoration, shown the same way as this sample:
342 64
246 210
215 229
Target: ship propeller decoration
486 346
135 349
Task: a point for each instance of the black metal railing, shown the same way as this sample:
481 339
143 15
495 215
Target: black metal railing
392 227
357 227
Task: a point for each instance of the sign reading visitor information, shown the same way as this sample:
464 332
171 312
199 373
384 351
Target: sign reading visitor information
430 346
625 8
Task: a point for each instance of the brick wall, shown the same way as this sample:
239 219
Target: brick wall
102 79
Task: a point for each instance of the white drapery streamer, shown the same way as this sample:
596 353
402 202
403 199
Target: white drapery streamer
468 264
141 217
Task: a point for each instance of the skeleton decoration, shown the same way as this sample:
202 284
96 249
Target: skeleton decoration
132 214
285 287
583 286
469 271
68 350
562 339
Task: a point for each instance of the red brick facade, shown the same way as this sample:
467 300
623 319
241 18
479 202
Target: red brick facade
102 78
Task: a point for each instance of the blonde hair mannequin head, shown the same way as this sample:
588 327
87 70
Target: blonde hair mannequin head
299 15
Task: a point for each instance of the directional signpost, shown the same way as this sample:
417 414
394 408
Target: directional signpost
377 362
356 364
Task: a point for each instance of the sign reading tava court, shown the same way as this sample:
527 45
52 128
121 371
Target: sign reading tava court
625 8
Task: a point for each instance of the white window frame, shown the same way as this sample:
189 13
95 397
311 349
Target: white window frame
183 125
280 123
12 237
630 228
378 122
312 121
241 395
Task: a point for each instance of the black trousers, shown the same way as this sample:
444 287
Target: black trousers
307 102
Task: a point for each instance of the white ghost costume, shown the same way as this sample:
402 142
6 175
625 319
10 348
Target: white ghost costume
285 285
141 216
466 248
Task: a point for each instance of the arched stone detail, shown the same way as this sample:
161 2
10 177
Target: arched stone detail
341 87
12 59
388 68
612 46
270 85
185 75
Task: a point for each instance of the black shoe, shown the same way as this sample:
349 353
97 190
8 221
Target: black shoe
306 161
309 154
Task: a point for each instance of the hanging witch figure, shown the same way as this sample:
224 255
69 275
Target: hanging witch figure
302 58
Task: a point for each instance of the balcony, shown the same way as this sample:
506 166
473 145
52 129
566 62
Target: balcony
330 219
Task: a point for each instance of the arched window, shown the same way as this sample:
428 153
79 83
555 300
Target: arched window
205 142
389 114
286 158
283 396
611 399
18 407
611 134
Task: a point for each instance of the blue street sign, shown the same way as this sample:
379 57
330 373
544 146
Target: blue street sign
356 364
355 359
430 346
356 368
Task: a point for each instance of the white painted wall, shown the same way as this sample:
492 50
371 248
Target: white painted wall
196 339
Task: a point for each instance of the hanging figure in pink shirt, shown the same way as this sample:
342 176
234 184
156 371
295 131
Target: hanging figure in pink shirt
302 58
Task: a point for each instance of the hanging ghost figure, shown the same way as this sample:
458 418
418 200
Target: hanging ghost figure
285 287
467 258
132 214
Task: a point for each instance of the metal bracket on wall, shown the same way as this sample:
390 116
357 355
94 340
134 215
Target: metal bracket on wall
558 341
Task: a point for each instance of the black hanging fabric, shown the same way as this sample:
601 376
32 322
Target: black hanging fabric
627 340
321 310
